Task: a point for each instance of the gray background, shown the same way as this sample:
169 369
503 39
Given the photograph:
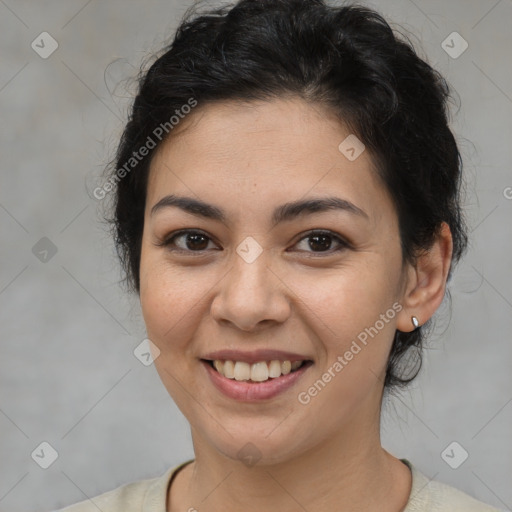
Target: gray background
68 331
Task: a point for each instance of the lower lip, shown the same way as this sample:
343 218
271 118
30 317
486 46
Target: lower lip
246 391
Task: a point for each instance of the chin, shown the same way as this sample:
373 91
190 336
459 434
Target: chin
255 446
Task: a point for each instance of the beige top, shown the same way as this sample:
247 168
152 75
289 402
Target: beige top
150 495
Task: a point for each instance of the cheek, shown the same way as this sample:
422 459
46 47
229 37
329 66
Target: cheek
353 319
351 314
167 300
348 299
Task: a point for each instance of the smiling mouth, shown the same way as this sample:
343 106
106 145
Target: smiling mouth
261 371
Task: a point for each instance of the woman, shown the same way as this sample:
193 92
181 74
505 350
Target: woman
288 211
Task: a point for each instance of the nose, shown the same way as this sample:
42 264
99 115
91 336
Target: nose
251 295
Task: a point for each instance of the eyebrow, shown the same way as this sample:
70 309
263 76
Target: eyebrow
283 213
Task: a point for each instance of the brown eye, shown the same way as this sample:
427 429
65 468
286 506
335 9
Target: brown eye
322 241
187 241
196 241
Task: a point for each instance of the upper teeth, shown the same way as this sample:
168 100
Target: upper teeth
257 372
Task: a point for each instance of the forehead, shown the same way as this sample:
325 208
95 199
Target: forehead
265 152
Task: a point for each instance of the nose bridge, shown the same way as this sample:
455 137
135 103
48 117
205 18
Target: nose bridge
251 271
250 292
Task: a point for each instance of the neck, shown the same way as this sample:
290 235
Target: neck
349 472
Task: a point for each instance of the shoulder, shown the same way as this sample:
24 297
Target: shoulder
146 495
433 496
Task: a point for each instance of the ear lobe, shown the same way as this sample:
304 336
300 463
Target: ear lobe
426 282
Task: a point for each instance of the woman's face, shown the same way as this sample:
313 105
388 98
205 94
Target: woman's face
267 290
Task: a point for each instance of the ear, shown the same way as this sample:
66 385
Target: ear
425 284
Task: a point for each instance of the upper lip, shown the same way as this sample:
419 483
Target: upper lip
254 356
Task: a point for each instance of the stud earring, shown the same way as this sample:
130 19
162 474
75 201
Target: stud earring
415 322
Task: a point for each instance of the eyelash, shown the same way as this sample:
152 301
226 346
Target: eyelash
343 244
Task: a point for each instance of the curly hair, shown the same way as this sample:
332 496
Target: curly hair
346 58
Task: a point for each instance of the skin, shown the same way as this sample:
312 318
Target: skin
248 159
